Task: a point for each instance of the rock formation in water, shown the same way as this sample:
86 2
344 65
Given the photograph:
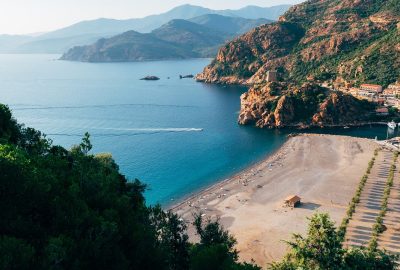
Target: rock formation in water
287 105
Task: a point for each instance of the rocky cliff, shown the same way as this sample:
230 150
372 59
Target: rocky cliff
355 41
317 40
287 105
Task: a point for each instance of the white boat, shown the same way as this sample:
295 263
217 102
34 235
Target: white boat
392 125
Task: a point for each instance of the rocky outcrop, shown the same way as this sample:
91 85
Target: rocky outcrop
341 109
314 40
283 105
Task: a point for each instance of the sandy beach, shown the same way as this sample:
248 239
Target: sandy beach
324 170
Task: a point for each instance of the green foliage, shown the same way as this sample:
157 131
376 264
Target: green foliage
63 209
9 129
306 101
275 89
15 253
365 259
173 240
322 249
216 248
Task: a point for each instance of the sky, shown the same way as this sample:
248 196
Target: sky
36 16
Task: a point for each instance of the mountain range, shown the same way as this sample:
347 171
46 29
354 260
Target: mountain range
177 39
87 32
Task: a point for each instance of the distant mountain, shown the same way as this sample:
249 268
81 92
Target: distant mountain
56 45
192 36
9 42
177 39
129 46
87 32
232 25
174 40
255 12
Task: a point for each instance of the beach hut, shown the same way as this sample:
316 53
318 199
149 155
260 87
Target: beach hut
292 201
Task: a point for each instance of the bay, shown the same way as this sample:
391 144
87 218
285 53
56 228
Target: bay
175 135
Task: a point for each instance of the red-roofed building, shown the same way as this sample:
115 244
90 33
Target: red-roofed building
373 88
382 111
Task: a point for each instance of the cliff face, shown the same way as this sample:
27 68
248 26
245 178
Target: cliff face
282 105
320 40
353 39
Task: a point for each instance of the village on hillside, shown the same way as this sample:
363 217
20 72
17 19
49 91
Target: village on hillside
385 98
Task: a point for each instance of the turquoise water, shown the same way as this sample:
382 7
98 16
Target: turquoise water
176 136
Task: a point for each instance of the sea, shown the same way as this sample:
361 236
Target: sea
175 135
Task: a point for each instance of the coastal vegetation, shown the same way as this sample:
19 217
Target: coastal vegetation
322 249
69 209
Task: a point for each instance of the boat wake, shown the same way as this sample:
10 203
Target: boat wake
154 129
24 107
128 132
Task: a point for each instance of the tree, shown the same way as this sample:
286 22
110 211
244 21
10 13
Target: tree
86 145
173 238
322 249
216 248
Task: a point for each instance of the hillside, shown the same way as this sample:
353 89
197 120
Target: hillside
226 24
9 42
176 39
317 41
129 46
86 32
329 39
278 105
190 36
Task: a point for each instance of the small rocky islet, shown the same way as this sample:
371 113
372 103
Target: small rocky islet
150 78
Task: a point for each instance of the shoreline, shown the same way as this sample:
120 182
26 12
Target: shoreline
202 191
324 170
173 206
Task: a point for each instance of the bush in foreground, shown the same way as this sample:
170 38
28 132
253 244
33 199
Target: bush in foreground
322 249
